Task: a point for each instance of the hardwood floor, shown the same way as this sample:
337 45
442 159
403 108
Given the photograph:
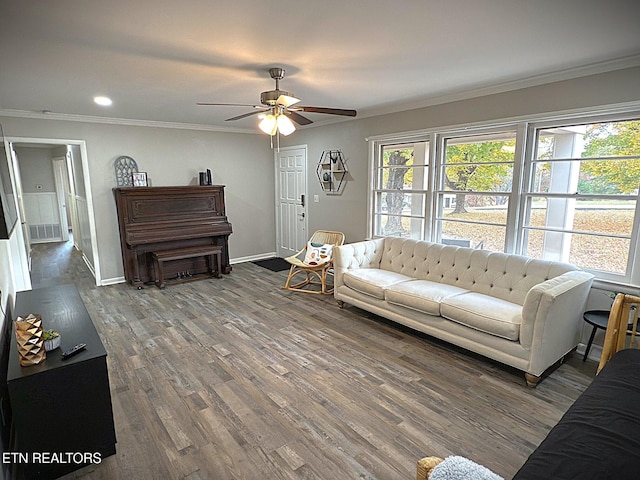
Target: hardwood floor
233 378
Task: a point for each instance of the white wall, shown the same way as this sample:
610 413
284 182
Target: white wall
12 265
347 212
39 192
242 162
7 287
35 169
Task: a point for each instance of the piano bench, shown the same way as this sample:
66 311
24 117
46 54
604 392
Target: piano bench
210 251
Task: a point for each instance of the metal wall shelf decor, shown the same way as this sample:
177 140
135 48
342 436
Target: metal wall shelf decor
332 171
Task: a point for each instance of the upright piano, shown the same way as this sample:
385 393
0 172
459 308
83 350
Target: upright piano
156 219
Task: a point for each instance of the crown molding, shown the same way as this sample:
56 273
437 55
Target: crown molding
411 104
120 121
533 81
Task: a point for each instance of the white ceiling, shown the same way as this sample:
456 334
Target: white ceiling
157 58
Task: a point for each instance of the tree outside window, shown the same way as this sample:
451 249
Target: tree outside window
477 178
584 195
400 190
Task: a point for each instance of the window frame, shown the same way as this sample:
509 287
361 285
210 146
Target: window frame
524 162
377 148
517 128
632 273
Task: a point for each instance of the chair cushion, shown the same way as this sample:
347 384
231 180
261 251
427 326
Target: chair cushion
482 312
318 253
421 295
372 281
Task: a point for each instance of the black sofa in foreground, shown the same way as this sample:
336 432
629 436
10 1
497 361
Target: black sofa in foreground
599 436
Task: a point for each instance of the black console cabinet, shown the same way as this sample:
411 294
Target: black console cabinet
62 414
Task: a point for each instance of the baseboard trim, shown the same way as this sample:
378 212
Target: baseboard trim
594 354
252 258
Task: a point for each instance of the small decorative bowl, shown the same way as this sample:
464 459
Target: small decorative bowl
52 344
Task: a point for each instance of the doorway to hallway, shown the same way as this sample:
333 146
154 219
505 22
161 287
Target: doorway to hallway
58 263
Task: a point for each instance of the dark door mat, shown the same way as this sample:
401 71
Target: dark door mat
276 264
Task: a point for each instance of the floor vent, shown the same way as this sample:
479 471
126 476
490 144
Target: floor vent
44 233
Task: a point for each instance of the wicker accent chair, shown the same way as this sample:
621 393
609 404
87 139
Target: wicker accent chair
425 467
314 274
622 329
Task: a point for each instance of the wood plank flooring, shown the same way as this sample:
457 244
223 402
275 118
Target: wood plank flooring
233 378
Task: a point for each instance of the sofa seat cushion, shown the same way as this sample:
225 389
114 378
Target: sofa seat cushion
421 295
482 312
373 281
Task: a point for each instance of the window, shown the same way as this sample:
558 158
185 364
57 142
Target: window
563 190
476 178
582 195
399 197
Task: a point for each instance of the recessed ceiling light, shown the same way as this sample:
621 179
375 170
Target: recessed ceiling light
103 101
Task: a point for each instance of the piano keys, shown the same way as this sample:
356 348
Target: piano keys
156 219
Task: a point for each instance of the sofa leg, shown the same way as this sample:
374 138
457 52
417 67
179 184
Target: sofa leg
340 303
532 380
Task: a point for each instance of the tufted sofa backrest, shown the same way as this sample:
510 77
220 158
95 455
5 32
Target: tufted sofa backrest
508 277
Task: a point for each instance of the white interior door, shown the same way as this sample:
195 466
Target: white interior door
60 175
291 201
72 205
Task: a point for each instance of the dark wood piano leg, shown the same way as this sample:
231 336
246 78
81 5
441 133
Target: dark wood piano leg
218 260
214 263
136 270
226 269
159 273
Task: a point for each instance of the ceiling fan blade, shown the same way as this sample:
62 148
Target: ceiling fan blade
287 100
244 115
296 117
330 111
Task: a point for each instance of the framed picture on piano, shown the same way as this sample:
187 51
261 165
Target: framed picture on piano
139 179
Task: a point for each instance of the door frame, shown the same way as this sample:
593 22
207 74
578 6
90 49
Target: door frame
277 190
17 179
95 268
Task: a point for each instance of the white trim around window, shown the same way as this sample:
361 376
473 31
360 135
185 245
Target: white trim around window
519 190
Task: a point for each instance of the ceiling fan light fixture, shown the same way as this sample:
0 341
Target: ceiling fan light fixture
269 124
285 126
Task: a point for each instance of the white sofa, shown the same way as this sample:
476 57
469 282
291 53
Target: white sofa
522 312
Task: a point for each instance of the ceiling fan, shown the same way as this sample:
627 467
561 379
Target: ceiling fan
278 108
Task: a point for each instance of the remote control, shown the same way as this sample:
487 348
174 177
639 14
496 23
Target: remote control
73 350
